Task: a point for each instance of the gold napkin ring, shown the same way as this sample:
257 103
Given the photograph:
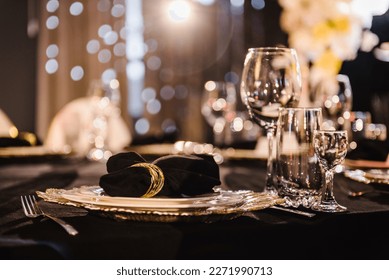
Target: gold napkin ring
157 179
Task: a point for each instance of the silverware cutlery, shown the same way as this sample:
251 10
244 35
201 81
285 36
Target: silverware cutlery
32 210
294 211
352 193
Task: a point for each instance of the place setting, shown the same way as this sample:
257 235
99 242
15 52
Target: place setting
171 188
186 185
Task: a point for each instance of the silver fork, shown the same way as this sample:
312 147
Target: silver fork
32 210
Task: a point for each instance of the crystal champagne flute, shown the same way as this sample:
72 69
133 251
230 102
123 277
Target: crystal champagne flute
271 79
331 149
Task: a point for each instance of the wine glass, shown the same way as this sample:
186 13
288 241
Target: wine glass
271 79
335 99
105 98
331 149
218 109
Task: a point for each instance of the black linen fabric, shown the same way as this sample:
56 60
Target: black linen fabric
185 175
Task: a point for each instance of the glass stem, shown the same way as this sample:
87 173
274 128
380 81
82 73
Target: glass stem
328 194
269 169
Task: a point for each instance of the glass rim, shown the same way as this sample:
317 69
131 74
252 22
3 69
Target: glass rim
330 130
301 109
271 49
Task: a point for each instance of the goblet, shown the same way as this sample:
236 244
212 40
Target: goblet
271 79
331 149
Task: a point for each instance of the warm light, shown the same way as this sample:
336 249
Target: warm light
219 104
346 115
210 85
179 10
219 126
353 145
237 124
114 84
359 125
13 132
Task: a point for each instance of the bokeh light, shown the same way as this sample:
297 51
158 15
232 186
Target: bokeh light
179 10
51 66
52 22
77 73
76 8
93 46
142 126
52 51
52 6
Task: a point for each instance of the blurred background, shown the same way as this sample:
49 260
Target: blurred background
161 53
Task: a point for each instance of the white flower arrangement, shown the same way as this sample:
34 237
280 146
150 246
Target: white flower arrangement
325 33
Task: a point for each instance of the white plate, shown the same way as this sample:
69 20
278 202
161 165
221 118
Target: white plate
93 195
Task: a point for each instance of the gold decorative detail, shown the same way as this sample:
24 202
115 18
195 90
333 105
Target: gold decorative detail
157 178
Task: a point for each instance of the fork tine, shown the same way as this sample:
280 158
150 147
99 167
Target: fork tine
34 204
24 205
29 206
32 210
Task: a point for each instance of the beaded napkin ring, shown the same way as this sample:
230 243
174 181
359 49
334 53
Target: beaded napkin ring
157 179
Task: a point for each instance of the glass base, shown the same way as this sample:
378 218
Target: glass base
329 206
270 190
295 196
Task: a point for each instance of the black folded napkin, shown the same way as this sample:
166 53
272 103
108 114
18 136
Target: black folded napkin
185 175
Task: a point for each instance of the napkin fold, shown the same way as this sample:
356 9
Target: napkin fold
185 175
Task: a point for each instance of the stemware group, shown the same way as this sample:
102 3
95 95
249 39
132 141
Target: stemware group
271 79
270 88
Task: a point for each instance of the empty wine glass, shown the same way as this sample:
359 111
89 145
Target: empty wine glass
335 99
331 149
218 109
271 79
105 99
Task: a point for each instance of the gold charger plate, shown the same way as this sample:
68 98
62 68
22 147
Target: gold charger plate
378 176
31 151
212 207
366 164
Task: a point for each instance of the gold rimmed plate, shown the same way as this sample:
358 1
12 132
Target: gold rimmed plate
94 195
217 206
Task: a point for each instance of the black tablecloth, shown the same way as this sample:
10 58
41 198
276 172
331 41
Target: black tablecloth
359 233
